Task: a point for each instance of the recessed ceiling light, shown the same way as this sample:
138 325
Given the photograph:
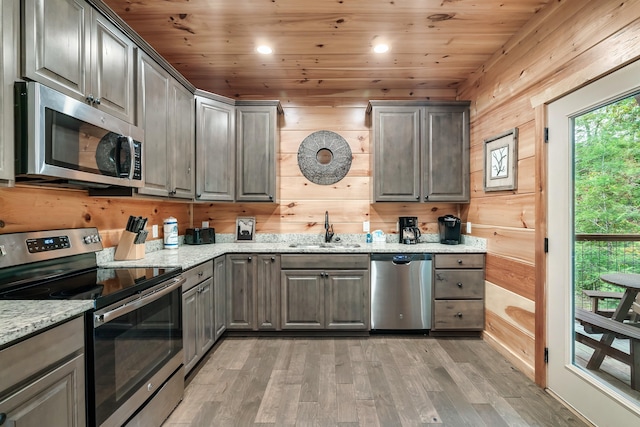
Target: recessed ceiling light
265 50
380 48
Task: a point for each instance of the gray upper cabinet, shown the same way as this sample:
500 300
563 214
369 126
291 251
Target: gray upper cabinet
153 116
397 137
420 151
9 72
72 48
182 143
257 137
166 113
446 163
215 149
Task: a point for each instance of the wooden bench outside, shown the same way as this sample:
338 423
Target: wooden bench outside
620 330
597 296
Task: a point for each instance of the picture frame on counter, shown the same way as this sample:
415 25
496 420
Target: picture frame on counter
245 229
501 161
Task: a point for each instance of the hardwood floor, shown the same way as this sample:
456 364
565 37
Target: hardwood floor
370 381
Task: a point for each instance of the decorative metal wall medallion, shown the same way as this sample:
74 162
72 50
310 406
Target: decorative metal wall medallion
324 157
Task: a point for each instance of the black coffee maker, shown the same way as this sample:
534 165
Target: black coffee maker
449 226
409 230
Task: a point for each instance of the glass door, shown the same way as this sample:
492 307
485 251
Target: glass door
593 223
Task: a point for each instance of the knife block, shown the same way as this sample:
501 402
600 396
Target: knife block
127 250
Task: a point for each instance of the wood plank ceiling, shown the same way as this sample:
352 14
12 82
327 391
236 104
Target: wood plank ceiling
323 48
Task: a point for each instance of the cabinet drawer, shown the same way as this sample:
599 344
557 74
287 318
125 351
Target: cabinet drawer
19 361
458 284
321 261
458 314
197 274
459 261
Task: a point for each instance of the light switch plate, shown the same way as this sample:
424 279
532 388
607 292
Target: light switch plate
468 227
366 226
154 231
205 224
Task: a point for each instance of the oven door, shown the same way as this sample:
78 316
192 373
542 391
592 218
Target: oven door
136 346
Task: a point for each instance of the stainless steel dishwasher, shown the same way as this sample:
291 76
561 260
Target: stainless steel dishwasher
400 291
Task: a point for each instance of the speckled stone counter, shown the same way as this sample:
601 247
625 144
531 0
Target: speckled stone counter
19 319
188 256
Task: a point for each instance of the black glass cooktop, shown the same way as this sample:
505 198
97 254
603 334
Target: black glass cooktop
103 285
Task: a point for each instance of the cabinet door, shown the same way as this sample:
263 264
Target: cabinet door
396 151
268 292
240 292
153 101
215 150
220 295
347 300
302 299
56 44
9 73
206 317
182 143
446 162
190 328
256 147
55 399
112 78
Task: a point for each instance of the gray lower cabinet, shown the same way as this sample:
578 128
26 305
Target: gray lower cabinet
458 292
215 148
198 319
420 151
257 139
325 292
252 291
166 113
43 379
9 73
220 295
72 48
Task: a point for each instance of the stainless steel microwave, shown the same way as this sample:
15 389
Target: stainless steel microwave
62 140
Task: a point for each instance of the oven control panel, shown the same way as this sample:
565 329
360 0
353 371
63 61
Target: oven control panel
48 244
32 246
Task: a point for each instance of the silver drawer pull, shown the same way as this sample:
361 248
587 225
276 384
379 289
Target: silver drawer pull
459 284
459 261
459 315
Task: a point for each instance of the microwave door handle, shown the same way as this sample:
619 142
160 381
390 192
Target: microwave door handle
132 156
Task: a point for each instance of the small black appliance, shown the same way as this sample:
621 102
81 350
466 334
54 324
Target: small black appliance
449 226
200 236
409 230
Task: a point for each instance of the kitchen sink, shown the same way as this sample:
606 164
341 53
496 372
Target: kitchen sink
324 245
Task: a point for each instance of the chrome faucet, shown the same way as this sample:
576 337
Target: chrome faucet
328 235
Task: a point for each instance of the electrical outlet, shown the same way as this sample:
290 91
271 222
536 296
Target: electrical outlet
154 231
205 224
468 227
366 226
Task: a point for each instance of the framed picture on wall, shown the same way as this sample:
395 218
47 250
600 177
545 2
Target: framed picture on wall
501 161
245 229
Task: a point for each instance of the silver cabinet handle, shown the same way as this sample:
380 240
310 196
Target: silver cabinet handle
459 284
97 101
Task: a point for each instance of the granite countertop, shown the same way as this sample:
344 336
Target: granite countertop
19 319
187 256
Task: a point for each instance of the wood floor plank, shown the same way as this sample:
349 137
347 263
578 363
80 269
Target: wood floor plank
344 373
327 390
387 381
367 413
270 405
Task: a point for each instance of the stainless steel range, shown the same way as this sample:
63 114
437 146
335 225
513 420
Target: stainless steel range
134 334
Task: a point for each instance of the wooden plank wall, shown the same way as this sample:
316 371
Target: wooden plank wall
568 44
301 203
25 208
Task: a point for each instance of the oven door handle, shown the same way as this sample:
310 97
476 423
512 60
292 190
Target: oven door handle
100 319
